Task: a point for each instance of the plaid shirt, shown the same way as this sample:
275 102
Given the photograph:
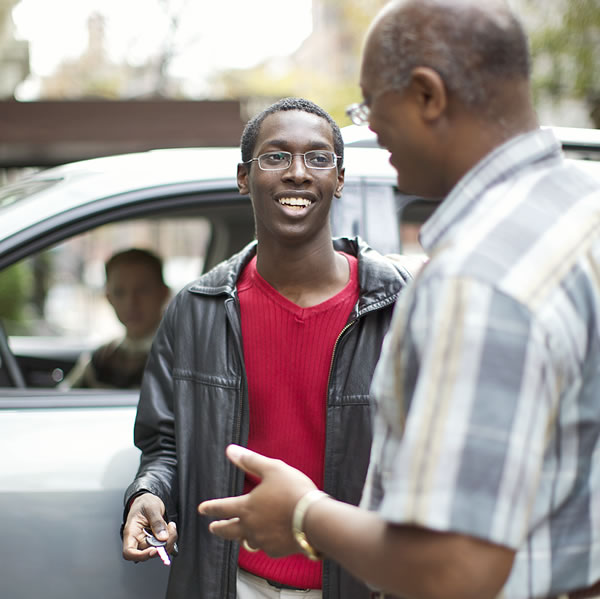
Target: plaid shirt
496 351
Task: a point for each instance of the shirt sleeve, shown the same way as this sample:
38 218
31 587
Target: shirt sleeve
465 398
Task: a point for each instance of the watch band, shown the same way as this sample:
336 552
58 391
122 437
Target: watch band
298 522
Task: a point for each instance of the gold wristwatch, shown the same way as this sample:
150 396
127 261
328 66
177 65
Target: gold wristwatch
298 521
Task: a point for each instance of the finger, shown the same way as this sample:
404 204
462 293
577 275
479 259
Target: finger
140 555
227 529
248 460
159 528
172 529
224 508
133 533
133 552
152 514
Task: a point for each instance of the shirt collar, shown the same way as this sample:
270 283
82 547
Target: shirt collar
508 159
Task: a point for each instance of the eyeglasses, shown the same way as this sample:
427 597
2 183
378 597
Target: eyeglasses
358 113
279 161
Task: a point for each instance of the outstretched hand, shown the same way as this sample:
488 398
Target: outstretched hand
262 517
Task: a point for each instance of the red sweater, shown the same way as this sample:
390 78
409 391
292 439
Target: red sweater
287 354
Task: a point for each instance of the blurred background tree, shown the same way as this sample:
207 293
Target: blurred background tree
14 53
565 47
565 43
15 285
324 69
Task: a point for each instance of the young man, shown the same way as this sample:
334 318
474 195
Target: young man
484 475
137 292
275 349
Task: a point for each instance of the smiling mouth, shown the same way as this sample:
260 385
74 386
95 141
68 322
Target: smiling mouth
295 203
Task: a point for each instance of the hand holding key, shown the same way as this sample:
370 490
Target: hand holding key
146 533
160 546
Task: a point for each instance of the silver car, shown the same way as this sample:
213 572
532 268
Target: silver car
68 455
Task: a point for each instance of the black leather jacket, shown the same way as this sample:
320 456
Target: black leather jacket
194 402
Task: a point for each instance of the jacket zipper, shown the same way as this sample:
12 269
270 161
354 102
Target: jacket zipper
236 439
350 324
382 304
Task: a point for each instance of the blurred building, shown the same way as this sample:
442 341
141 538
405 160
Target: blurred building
93 75
93 107
51 132
331 48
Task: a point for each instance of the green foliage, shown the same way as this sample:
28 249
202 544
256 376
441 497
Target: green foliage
259 83
567 54
15 286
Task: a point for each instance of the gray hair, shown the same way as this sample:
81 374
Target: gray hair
471 45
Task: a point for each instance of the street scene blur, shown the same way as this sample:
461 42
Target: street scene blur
120 125
105 85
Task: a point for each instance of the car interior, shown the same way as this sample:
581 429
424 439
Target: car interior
57 308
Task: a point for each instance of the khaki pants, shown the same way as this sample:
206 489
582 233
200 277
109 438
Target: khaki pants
253 587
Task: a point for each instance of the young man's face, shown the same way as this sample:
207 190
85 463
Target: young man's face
137 297
291 205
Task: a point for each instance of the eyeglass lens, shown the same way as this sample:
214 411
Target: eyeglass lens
272 161
358 113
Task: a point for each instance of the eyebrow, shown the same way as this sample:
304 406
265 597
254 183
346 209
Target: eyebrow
284 143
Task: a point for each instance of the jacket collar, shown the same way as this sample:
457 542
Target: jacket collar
380 280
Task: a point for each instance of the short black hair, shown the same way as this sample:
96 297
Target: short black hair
136 256
252 128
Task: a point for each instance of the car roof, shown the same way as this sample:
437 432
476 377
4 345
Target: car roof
582 145
572 138
79 185
84 187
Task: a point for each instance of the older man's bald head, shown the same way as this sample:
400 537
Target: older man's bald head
473 45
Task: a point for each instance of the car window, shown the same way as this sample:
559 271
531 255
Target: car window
387 219
369 209
53 306
412 213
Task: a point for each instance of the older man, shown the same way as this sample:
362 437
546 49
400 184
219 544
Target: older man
485 471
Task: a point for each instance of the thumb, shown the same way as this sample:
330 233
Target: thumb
249 461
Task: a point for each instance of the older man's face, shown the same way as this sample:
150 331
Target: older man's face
397 119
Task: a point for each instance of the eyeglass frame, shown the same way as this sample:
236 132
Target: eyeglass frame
291 155
359 113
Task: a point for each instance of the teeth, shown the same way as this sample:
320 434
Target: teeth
294 202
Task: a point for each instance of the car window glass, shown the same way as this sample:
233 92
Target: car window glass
368 209
413 212
53 306
384 217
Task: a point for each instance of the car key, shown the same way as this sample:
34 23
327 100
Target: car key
160 546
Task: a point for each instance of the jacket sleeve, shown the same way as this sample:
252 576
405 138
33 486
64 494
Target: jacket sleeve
154 431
